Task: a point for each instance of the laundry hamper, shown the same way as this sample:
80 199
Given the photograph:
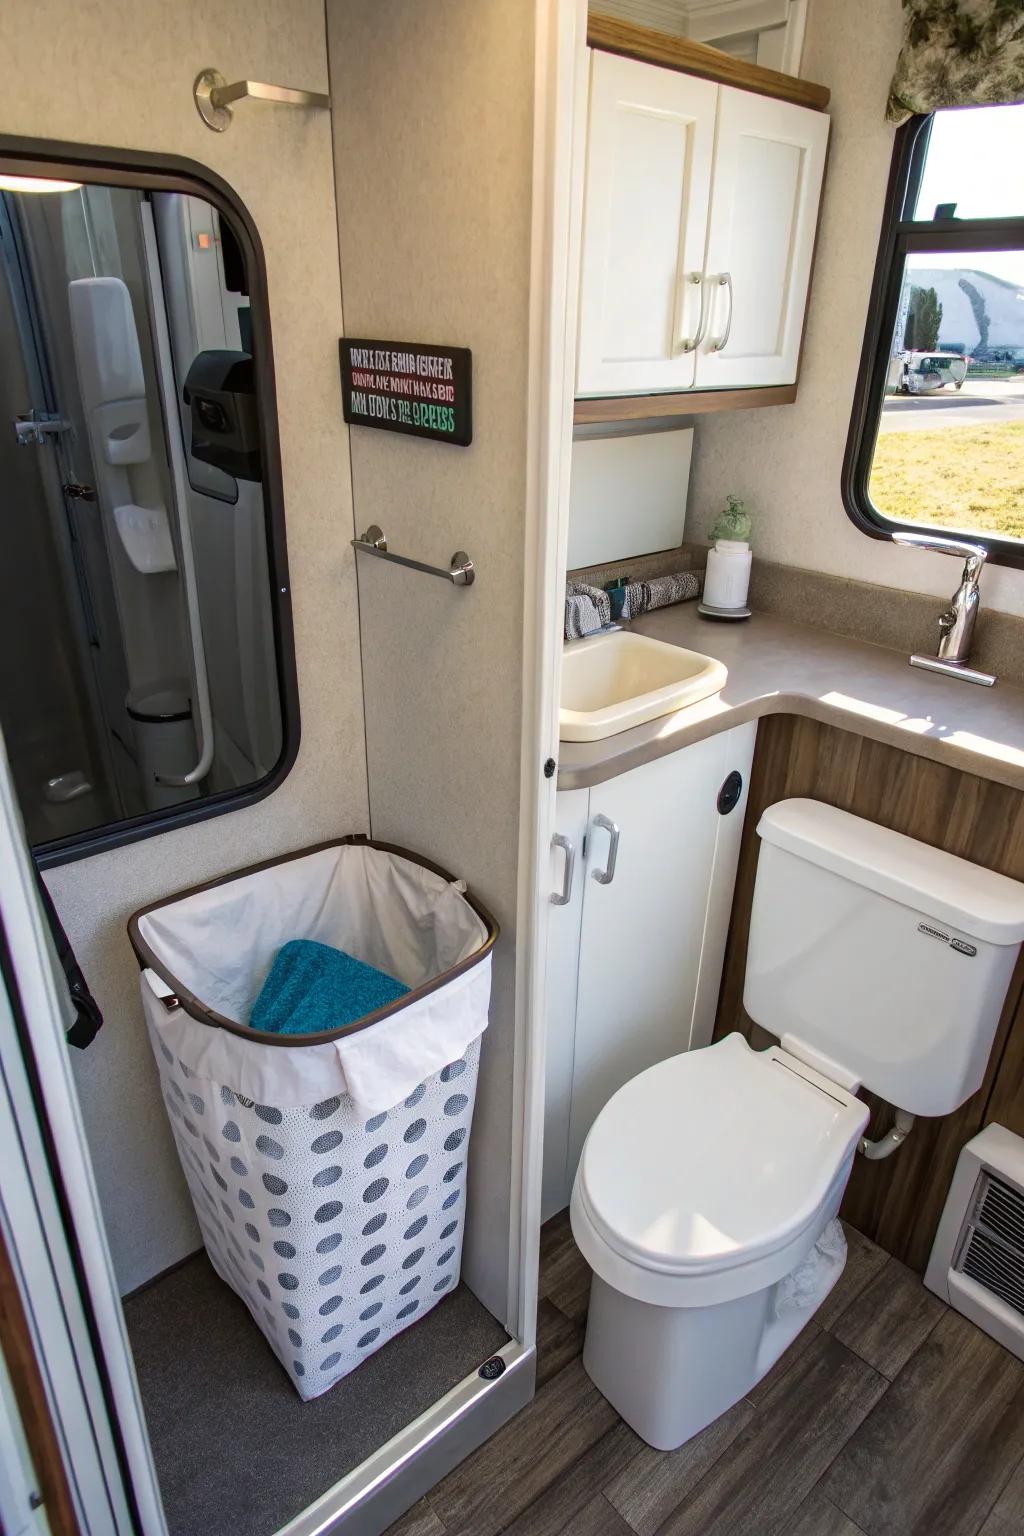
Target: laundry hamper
328 1171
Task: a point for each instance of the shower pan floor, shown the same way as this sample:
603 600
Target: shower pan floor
237 1452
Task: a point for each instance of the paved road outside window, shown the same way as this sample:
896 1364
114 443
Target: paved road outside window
980 400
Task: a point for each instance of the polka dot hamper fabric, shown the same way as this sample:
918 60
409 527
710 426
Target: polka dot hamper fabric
337 1231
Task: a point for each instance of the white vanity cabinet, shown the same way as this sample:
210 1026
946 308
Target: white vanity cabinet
699 218
635 960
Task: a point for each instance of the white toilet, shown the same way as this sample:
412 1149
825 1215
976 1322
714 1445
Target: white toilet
708 1179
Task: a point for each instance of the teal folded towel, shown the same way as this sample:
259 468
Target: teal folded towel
312 988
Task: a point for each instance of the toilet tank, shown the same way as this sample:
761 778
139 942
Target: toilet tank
877 959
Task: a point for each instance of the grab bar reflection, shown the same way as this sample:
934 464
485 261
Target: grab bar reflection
461 571
203 710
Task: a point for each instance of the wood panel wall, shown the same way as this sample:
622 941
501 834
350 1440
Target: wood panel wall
897 1202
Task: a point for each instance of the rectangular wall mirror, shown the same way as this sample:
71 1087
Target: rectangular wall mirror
143 586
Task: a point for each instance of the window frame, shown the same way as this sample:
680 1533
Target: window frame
139 169
899 238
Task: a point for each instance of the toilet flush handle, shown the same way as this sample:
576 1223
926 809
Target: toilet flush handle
607 875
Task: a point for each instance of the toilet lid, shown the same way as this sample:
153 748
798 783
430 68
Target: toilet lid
716 1157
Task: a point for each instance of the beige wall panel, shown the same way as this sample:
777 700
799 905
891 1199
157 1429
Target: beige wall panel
433 123
121 73
787 460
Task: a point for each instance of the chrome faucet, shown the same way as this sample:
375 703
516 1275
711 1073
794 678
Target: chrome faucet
956 623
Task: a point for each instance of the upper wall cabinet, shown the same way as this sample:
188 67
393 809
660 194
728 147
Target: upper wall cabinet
650 147
700 210
766 184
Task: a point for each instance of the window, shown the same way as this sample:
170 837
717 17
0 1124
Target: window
143 576
937 436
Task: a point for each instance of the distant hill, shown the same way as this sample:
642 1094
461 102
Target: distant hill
993 299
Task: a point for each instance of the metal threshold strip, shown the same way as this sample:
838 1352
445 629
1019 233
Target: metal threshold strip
459 1421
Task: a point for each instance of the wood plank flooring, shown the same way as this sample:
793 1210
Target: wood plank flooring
890 1415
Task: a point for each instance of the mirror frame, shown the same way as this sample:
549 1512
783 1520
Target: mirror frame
141 169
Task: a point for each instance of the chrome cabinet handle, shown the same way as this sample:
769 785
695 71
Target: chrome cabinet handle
695 279
561 898
607 875
724 280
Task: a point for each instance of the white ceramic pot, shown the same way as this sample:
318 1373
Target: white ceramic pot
728 574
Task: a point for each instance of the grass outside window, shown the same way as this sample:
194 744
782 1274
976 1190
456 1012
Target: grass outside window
967 479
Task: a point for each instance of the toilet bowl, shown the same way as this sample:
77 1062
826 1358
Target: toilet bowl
707 1184
703 1184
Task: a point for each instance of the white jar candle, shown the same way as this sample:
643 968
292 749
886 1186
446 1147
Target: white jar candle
728 574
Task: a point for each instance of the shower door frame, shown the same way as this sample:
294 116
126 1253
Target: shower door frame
52 1225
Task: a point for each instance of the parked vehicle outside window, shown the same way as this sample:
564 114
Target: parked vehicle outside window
923 373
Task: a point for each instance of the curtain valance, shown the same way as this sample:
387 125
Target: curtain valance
958 53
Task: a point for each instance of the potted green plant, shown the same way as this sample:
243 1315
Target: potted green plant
727 577
733 523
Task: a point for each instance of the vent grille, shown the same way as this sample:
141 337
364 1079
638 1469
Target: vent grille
992 1246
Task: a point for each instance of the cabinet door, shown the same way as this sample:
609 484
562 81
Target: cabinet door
643 932
566 875
766 186
649 146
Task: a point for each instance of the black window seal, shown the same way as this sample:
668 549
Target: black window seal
141 169
900 236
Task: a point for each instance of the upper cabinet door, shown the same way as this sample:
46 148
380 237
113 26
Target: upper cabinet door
649 150
769 163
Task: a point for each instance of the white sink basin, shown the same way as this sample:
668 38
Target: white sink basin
613 681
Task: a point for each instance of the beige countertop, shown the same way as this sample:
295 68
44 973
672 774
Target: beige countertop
777 667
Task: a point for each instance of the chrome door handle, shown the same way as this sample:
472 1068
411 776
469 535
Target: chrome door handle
724 280
607 875
561 898
695 279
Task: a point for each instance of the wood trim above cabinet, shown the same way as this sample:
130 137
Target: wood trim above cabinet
682 53
697 402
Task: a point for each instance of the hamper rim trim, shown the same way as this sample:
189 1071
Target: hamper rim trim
196 1009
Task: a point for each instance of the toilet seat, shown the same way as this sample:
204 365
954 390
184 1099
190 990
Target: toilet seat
704 1174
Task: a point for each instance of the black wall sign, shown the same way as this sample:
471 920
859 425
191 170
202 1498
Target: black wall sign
407 386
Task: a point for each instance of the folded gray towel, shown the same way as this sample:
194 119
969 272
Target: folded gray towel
660 591
587 609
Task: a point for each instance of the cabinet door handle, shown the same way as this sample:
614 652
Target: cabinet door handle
607 875
724 280
561 898
690 344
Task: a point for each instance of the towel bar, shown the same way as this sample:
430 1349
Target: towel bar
460 572
214 97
